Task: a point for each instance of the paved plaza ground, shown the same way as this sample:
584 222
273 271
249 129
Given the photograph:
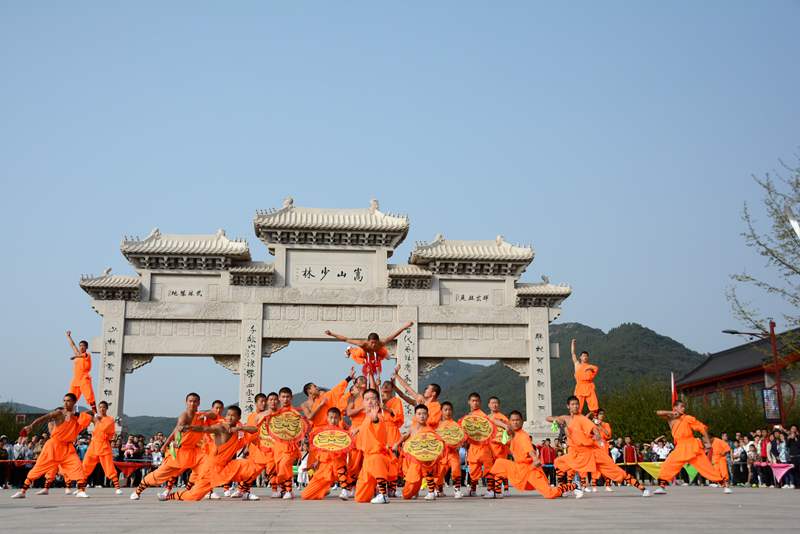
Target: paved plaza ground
684 509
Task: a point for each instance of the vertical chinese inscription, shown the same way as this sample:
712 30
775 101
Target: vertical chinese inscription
249 367
407 353
111 382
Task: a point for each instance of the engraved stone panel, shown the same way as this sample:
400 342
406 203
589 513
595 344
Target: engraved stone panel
186 288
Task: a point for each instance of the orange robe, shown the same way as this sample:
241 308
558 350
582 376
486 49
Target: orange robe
434 413
59 451
188 456
356 455
719 451
100 448
521 473
581 446
215 470
499 450
260 455
82 379
584 385
450 460
416 471
324 402
371 441
688 450
286 454
393 433
479 457
332 468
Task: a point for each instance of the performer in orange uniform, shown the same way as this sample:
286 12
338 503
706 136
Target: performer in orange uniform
355 410
371 440
416 471
585 454
370 352
499 449
687 448
479 457
429 397
59 451
525 471
259 450
605 432
216 468
451 459
328 467
100 447
719 457
392 409
584 379
188 453
286 453
81 368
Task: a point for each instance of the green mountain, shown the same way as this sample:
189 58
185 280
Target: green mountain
627 352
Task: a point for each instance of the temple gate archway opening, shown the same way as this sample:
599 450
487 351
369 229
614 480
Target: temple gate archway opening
203 294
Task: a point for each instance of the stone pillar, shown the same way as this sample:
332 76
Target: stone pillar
111 367
537 385
408 352
250 361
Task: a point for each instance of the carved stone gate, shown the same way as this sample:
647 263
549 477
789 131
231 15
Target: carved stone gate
202 295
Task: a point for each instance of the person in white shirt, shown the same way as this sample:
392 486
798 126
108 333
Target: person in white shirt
661 447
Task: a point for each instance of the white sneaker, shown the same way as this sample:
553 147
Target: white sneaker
457 494
43 491
213 496
134 496
82 495
594 489
646 493
380 499
67 491
343 495
727 490
609 489
275 495
75 491
713 485
578 493
228 492
431 496
288 496
18 495
498 495
118 491
659 491
163 494
488 495
250 497
236 494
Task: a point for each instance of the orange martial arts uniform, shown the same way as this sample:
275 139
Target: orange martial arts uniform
394 424
356 456
479 458
584 386
719 451
416 471
189 455
324 402
59 452
370 362
499 449
450 460
260 456
332 469
521 472
100 450
371 441
434 413
607 440
580 454
215 470
286 454
688 450
82 379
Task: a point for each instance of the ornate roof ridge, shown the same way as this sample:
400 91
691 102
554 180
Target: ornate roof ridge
217 244
478 250
108 280
405 269
319 218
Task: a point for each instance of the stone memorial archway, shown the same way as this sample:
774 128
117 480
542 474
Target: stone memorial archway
202 295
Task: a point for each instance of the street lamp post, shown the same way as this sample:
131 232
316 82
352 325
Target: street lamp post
777 368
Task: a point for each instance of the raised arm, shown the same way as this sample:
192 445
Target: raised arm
76 353
572 350
407 389
248 429
392 337
560 419
346 339
351 407
665 414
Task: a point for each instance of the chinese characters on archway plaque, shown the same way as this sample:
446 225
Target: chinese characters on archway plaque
329 274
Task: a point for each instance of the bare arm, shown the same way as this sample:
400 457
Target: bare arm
572 349
500 423
75 352
351 407
393 336
560 419
535 456
666 414
346 339
42 419
402 395
397 379
248 429
307 411
213 429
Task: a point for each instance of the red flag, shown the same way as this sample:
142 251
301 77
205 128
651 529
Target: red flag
673 389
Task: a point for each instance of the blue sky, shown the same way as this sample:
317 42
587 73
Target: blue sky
618 138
